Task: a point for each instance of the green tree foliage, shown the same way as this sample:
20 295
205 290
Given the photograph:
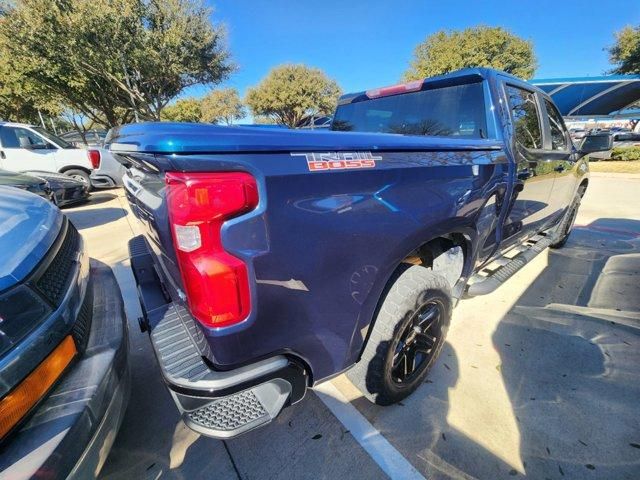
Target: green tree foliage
112 60
184 110
625 153
17 101
481 46
264 120
291 93
625 53
222 106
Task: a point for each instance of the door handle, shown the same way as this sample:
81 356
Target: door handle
2 155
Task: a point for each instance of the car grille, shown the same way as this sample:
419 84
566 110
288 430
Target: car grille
82 327
53 283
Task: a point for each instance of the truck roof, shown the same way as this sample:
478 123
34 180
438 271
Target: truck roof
464 75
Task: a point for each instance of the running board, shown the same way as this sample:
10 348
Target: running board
487 284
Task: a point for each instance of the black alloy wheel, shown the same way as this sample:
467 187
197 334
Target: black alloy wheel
418 343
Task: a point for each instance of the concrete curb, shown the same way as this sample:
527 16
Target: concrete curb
615 175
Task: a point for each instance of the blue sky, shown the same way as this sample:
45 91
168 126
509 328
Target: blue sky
364 44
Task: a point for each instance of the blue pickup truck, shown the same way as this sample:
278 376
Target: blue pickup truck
276 259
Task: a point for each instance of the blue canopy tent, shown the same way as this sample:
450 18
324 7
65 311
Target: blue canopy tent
611 95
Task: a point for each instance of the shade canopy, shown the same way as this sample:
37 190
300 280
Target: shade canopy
611 95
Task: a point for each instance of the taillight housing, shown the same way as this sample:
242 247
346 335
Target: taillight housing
216 282
94 158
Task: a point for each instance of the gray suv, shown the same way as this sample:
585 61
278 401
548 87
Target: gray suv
64 378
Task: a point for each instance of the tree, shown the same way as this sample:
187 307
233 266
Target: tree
625 53
264 120
17 102
481 46
184 110
222 106
112 60
292 93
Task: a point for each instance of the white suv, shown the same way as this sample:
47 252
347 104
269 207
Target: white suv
25 147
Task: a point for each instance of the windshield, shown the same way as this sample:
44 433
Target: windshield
447 112
52 138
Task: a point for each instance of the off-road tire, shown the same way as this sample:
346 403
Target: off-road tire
575 206
409 291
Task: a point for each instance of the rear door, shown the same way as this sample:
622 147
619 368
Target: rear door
531 209
23 149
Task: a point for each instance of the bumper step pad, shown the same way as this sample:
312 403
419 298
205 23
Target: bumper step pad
230 413
230 416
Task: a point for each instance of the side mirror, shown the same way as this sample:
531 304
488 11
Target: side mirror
596 142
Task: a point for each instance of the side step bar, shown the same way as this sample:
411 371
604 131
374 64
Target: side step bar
538 244
488 284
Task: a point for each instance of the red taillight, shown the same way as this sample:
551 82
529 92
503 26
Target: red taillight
216 282
395 89
94 158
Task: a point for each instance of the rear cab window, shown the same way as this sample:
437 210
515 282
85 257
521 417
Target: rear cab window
450 111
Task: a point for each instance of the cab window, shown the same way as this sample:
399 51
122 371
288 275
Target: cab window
451 111
556 125
526 121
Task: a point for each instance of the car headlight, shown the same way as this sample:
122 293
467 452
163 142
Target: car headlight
21 310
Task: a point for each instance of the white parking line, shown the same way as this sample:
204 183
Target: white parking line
378 447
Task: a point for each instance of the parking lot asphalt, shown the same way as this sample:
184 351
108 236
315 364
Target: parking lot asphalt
539 379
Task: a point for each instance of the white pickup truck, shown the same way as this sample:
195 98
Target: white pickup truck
26 147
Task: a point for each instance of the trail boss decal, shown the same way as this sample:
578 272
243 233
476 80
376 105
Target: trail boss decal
338 160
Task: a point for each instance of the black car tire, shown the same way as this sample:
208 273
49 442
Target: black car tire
80 175
573 213
377 374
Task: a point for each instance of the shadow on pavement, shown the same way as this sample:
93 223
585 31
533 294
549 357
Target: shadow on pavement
563 396
97 198
93 217
571 358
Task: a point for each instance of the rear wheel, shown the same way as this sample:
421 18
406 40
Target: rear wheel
80 175
407 336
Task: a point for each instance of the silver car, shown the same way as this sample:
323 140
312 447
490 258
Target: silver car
110 172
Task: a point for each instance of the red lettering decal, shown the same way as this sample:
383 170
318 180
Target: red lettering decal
336 164
368 163
317 165
352 163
